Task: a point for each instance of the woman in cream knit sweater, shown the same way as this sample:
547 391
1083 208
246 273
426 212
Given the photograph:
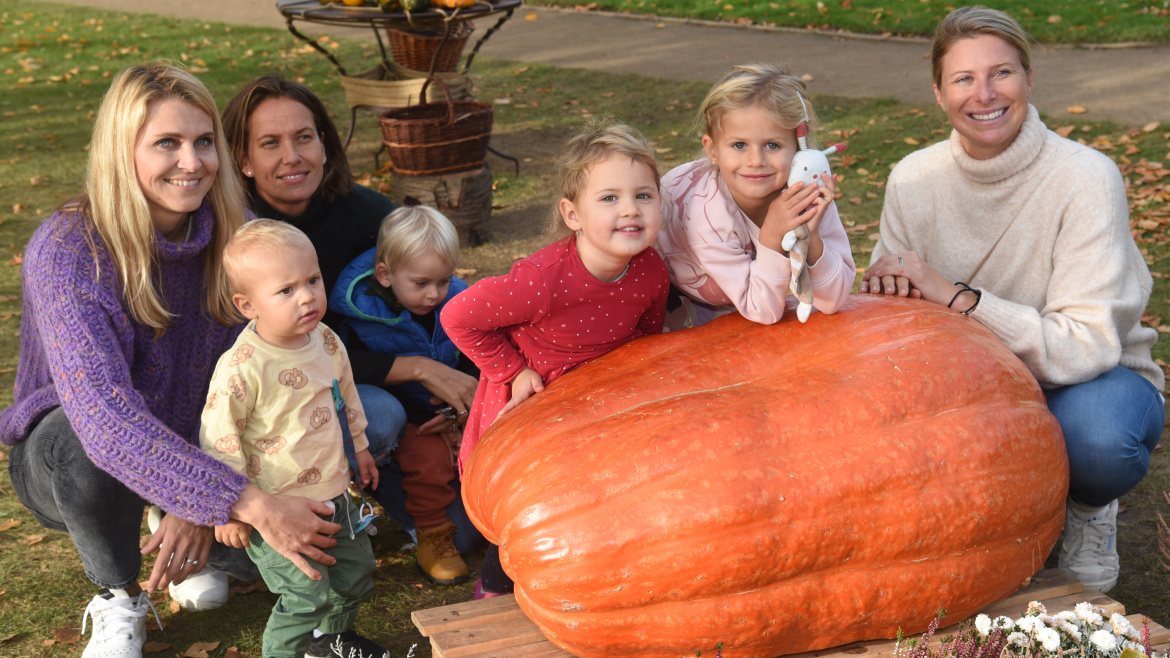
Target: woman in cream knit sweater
1035 230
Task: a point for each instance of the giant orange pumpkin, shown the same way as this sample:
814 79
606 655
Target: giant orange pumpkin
776 488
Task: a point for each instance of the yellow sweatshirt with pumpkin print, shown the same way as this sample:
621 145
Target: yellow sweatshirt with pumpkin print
270 414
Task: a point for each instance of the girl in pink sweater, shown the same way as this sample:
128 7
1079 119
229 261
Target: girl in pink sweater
726 214
573 300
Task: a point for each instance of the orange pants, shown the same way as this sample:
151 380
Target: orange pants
427 472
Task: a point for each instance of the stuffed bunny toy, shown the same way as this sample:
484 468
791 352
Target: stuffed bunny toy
808 167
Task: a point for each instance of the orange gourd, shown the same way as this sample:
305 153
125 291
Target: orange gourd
452 4
776 488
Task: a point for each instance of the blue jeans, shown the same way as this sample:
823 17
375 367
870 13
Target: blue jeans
66 491
385 418
386 424
1110 425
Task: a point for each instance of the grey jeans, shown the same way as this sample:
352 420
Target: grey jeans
61 486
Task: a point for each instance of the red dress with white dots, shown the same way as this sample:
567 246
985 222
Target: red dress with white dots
551 315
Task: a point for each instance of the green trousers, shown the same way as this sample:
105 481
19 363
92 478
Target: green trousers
329 604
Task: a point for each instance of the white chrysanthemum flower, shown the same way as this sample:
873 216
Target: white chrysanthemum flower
1123 628
1069 616
1070 629
1030 625
983 625
1104 640
1036 608
1049 638
1090 613
1018 639
1004 623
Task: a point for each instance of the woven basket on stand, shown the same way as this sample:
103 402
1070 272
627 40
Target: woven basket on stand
397 86
419 48
440 137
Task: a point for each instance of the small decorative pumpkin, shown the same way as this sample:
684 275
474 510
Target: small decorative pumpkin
403 5
778 488
452 4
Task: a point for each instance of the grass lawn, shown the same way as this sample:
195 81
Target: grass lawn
56 65
1051 21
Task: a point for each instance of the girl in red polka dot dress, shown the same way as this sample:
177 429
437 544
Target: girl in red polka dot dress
573 300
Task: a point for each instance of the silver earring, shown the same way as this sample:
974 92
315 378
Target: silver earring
578 232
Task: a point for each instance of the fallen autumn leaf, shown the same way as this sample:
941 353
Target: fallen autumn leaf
67 635
200 649
1076 109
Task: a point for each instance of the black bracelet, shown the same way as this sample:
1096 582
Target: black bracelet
978 297
966 288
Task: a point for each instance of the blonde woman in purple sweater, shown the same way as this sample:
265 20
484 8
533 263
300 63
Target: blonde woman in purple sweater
125 314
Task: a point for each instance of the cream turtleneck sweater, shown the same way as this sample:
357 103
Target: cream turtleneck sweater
1066 286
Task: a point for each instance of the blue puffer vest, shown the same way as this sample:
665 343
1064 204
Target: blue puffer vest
366 314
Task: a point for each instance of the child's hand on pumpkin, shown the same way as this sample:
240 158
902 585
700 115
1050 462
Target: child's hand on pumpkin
524 385
234 534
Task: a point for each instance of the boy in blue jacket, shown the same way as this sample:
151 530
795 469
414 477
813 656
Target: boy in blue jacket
389 298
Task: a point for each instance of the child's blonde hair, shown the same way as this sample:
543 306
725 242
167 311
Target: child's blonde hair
596 141
771 88
269 234
413 230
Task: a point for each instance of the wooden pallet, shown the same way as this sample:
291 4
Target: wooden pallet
497 628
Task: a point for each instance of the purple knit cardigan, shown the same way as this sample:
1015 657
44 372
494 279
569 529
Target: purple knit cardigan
133 399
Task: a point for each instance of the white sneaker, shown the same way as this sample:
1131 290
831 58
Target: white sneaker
1089 548
206 590
119 625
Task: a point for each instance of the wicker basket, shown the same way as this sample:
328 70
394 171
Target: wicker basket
437 137
419 48
398 86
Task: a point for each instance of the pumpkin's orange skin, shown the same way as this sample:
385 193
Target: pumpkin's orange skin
776 488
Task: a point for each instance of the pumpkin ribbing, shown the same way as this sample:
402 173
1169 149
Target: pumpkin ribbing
777 488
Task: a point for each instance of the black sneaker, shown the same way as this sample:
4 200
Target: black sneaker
345 645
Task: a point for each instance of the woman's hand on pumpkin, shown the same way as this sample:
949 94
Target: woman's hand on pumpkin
907 275
291 525
524 385
182 550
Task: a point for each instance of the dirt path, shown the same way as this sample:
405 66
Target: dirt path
1128 85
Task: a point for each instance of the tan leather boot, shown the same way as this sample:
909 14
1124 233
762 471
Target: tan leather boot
437 558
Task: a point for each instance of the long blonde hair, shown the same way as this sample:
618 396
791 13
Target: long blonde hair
774 90
117 207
